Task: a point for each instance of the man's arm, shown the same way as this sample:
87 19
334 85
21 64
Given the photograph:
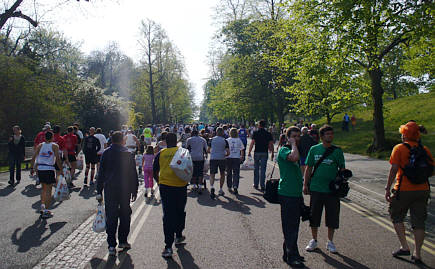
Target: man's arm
57 156
271 149
101 174
393 171
307 177
294 155
134 178
98 144
251 146
32 162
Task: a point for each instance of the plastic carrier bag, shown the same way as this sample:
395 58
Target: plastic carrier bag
182 164
138 160
67 173
62 192
248 165
99 224
206 166
80 161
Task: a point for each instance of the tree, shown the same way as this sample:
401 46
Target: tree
366 31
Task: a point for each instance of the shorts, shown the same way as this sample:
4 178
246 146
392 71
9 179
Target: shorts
72 158
331 203
46 176
198 168
416 202
148 140
302 160
91 159
215 164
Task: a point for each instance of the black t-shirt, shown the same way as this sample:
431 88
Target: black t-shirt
91 145
262 139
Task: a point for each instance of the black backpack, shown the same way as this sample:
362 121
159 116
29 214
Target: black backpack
419 168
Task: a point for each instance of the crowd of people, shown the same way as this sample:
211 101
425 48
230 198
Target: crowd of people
307 160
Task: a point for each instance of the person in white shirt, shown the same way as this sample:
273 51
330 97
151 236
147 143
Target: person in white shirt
131 142
103 143
234 160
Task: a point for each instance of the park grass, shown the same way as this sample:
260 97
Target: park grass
420 108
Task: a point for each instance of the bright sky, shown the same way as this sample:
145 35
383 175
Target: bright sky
188 24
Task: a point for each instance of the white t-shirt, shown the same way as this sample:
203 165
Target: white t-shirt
236 145
102 140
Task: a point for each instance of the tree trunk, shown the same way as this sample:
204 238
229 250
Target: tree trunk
150 70
378 115
328 118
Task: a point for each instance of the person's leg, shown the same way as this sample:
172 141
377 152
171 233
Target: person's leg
236 173
229 173
124 219
263 166
46 193
18 165
92 171
419 239
400 231
88 165
181 200
290 219
222 167
112 214
256 169
332 214
418 211
316 204
11 170
398 210
169 214
73 169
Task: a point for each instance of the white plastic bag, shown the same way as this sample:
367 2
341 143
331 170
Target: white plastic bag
138 160
99 224
80 161
248 165
67 173
182 164
61 193
206 166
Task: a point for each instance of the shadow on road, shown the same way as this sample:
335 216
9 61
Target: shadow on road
31 191
87 192
37 205
32 236
6 191
187 261
350 263
251 200
123 257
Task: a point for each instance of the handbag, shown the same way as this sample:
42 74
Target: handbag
99 224
271 191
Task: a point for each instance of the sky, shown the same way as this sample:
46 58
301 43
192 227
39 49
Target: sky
188 23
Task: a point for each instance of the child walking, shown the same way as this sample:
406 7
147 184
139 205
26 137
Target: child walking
147 165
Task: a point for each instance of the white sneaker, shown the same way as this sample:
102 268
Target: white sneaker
312 245
331 247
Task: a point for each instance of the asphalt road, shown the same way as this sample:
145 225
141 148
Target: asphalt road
241 231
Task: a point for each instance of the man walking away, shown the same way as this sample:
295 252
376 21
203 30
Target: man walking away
263 141
408 192
103 145
173 191
70 140
290 196
218 149
243 135
197 147
306 142
91 147
118 179
321 196
236 148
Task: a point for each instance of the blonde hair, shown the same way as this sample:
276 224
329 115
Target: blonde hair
233 133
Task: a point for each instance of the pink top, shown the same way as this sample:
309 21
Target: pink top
148 161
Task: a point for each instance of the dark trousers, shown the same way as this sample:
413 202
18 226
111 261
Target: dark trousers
290 219
233 172
117 208
174 217
14 163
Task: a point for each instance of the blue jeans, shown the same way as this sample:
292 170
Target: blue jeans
260 164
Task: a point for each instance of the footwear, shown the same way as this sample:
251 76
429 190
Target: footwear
124 246
221 192
199 190
236 192
85 182
262 189
255 187
229 189
18 182
167 253
71 185
312 245
46 214
416 261
179 240
91 183
401 252
296 264
112 251
212 195
37 182
331 247
11 183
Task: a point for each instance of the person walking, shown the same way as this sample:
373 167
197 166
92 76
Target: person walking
63 153
91 147
16 145
234 159
353 121
263 142
147 165
414 196
46 155
173 192
218 150
131 142
103 145
305 143
184 136
290 196
243 135
118 179
316 183
197 147
71 141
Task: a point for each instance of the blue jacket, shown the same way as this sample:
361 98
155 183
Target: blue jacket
118 175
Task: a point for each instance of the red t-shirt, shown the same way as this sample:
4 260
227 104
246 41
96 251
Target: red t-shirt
40 138
59 141
70 142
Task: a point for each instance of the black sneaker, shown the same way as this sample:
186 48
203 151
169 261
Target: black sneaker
85 182
255 187
11 183
199 190
91 183
212 195
71 185
262 189
236 192
167 253
18 181
46 214
179 240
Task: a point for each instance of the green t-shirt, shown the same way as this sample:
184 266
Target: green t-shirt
290 182
327 170
147 133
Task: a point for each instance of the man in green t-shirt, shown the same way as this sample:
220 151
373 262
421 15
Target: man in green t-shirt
290 196
321 196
